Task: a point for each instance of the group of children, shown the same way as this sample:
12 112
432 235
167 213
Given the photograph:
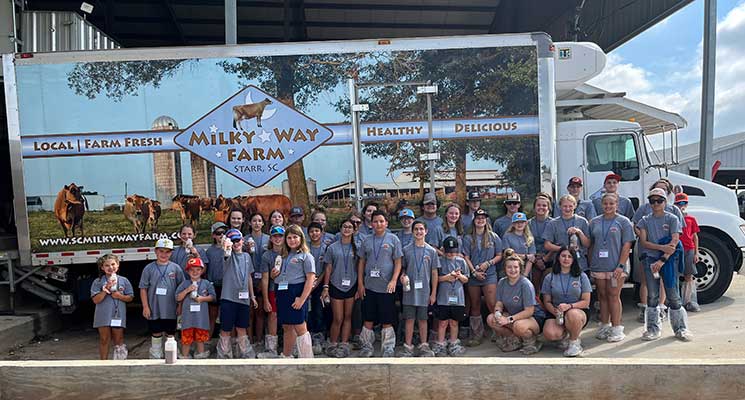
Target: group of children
432 273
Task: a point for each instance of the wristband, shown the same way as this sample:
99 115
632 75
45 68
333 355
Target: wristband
663 259
325 286
571 305
620 266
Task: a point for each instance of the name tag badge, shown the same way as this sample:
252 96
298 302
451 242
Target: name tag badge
452 299
282 286
346 282
375 273
195 307
161 291
603 253
115 323
257 275
418 284
243 295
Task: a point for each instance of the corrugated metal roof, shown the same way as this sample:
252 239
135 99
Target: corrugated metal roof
690 152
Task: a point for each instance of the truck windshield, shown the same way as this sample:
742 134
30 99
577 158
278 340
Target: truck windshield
613 152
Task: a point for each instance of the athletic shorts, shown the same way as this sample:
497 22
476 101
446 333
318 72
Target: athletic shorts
418 313
690 268
379 308
233 314
162 325
273 300
444 313
191 335
337 294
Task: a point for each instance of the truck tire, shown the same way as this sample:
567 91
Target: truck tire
714 269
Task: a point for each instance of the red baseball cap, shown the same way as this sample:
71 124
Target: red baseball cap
194 262
681 197
612 175
575 180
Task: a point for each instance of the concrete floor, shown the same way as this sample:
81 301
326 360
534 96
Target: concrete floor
719 333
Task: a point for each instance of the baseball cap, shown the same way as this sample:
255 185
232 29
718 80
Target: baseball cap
681 197
575 180
517 217
429 198
296 211
473 196
234 235
217 225
164 243
612 175
480 212
194 262
657 192
406 213
450 244
277 230
513 197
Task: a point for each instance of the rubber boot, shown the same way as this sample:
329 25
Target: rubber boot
367 340
317 343
156 347
691 303
477 331
530 346
120 352
388 342
224 349
651 324
679 323
245 349
304 344
270 347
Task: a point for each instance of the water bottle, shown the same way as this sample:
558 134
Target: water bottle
560 318
656 275
407 283
227 246
188 244
171 350
251 245
574 241
114 283
278 263
194 293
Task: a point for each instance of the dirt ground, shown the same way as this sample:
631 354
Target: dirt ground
719 333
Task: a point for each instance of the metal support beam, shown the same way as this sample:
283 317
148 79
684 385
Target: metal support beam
707 90
231 22
356 144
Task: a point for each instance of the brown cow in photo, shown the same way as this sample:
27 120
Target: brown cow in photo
248 111
137 210
207 203
154 215
266 204
69 208
190 208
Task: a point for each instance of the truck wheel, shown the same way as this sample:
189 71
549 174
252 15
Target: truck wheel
714 269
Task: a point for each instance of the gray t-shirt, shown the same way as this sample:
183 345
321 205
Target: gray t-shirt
435 235
538 229
418 262
405 238
267 264
215 255
501 225
344 265
517 297
379 254
625 206
477 253
197 316
161 281
236 278
110 308
556 233
658 228
318 254
294 268
358 238
584 209
180 256
646 209
517 243
608 237
565 288
262 243
451 293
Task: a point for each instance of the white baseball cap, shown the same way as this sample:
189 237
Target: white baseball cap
164 244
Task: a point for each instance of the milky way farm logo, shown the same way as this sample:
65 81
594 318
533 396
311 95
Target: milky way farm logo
253 136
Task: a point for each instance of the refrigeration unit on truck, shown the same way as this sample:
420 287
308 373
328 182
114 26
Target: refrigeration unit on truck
130 124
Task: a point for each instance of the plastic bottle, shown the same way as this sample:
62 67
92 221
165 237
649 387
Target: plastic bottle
560 318
227 246
194 293
278 263
171 350
188 244
251 244
407 283
114 283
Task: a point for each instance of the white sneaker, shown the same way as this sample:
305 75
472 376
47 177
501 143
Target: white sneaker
648 336
603 332
574 349
684 335
616 334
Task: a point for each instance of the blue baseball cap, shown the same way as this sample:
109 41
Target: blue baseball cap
406 212
517 217
277 230
234 235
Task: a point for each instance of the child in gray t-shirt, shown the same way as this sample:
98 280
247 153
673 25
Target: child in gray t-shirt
195 295
451 300
111 293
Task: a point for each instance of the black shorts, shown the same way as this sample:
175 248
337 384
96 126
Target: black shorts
444 313
218 295
337 294
379 308
162 325
551 316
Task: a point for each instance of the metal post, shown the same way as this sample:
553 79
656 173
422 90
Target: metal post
356 144
231 22
431 144
707 89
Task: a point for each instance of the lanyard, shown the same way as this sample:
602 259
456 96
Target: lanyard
258 251
606 231
105 280
345 255
163 274
565 290
480 249
419 262
376 254
242 272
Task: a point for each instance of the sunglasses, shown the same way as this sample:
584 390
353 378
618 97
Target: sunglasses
356 222
656 201
512 203
681 203
218 233
236 240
